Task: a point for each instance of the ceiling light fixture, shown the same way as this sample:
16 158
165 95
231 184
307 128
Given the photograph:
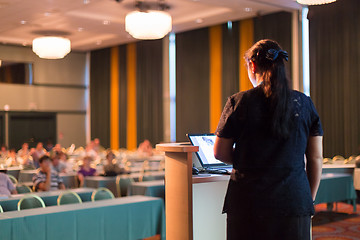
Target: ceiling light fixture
315 2
148 24
51 47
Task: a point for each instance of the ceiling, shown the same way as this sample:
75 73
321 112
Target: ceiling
93 24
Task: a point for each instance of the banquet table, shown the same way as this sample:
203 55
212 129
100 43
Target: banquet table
101 181
26 175
110 182
14 171
126 218
148 188
336 187
49 198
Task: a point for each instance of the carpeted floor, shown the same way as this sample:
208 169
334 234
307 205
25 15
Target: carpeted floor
340 224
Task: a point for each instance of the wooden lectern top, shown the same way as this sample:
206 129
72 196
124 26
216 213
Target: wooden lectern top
177 147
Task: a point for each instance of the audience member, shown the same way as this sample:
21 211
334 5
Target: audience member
27 162
49 145
46 179
145 148
111 168
57 165
38 153
6 186
65 160
24 151
57 148
13 160
89 150
86 170
97 146
4 152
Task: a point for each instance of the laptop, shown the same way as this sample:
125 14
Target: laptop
206 157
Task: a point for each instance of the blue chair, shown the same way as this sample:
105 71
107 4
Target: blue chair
101 194
20 188
13 179
122 185
30 201
68 197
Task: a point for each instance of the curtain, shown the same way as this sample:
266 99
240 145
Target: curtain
334 69
100 95
149 79
192 83
276 26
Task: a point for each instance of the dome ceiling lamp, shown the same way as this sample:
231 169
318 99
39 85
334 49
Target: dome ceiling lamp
149 21
51 45
315 2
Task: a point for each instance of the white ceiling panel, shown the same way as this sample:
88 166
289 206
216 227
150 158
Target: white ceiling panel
93 24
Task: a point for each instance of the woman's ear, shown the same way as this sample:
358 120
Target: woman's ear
252 67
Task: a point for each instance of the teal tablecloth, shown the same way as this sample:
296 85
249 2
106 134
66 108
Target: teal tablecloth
336 187
50 198
127 218
100 181
148 188
110 182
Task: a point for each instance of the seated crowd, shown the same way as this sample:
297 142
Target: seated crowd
53 161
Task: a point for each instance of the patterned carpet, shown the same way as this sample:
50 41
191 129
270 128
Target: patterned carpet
340 224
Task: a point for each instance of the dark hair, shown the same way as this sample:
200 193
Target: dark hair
269 60
44 158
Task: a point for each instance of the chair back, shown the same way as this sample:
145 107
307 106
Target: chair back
144 178
122 185
13 179
21 188
30 201
101 194
68 197
1 210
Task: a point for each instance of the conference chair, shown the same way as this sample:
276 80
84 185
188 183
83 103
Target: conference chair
68 197
101 194
21 188
30 201
122 185
13 179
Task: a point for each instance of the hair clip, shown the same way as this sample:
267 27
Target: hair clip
273 54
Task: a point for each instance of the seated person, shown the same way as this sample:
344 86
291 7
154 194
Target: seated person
46 179
57 165
86 170
37 153
4 152
24 151
6 186
69 165
27 162
111 168
145 148
12 160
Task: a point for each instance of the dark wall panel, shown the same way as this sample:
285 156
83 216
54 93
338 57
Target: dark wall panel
31 127
192 83
334 69
230 60
149 91
100 95
276 26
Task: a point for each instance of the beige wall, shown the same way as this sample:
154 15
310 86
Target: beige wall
59 86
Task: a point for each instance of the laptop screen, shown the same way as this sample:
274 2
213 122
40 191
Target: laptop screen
205 142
